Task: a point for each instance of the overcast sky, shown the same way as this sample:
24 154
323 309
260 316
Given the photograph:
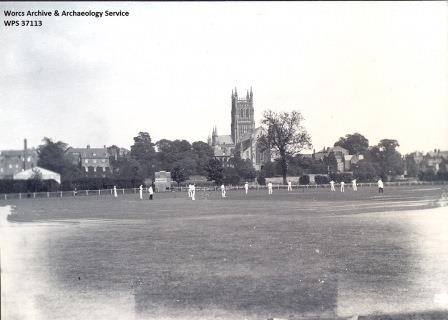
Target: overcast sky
380 69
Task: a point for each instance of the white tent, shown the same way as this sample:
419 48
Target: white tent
45 174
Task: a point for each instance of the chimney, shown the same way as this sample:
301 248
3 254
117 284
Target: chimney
25 153
88 146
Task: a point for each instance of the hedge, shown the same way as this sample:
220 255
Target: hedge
24 186
339 177
321 179
94 183
304 180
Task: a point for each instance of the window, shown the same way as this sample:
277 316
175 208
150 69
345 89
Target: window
103 161
10 166
94 160
17 166
29 159
86 161
1 169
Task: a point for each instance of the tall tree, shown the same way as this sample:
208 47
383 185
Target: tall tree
387 158
284 136
215 171
243 168
203 153
411 166
52 156
178 174
144 153
364 171
231 176
170 152
35 183
355 143
330 162
117 159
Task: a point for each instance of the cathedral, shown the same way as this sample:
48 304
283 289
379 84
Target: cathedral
243 137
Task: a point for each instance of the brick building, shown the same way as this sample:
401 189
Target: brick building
344 160
94 161
15 161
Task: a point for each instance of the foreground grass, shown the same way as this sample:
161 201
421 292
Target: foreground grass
284 256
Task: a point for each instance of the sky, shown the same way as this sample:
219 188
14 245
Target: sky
380 69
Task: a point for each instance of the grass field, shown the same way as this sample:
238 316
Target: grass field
300 254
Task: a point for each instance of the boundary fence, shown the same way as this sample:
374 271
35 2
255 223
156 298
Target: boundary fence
121 192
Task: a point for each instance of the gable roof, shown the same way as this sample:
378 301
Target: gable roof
46 174
90 153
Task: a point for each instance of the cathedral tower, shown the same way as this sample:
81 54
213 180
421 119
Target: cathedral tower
242 121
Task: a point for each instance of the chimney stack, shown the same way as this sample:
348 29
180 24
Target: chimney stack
25 153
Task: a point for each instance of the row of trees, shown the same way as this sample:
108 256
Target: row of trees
145 157
283 136
380 160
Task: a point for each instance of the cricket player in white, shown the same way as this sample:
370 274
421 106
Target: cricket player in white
115 191
246 187
190 189
151 193
332 186
355 187
342 186
289 185
270 187
380 186
223 191
192 192
141 192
